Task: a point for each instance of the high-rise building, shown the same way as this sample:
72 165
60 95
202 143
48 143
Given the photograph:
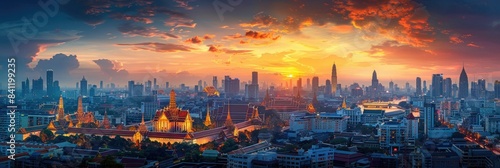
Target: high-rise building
463 85
155 85
308 83
429 116
215 82
391 86
481 88
37 87
50 82
255 78
474 89
375 84
57 88
334 79
167 85
315 84
100 84
253 88
83 87
231 86
497 89
92 91
131 88
407 87
418 86
424 90
447 88
138 89
299 84
200 84
328 87
27 86
437 85
148 87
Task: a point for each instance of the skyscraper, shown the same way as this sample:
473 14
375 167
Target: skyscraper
299 84
334 79
37 87
463 85
215 83
424 90
131 88
50 82
481 88
308 84
83 87
231 86
474 89
56 88
328 87
375 83
418 86
253 88
437 85
447 87
429 116
497 89
100 84
391 86
315 84
255 78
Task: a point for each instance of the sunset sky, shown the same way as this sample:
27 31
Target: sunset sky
183 41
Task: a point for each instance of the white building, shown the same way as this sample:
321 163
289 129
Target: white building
248 160
411 126
314 157
319 122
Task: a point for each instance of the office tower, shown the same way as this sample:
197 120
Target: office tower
57 88
497 89
148 87
204 84
429 116
196 90
474 89
83 87
100 84
424 90
255 78
437 85
328 87
131 88
215 82
334 79
391 86
155 85
447 88
455 91
339 89
231 86
77 85
315 84
481 84
375 83
138 90
92 90
463 85
299 84
112 85
167 85
418 86
27 86
407 87
37 87
50 82
308 83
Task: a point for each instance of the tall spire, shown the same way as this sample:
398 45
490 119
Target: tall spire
463 85
172 104
229 121
267 98
142 126
79 111
60 109
255 113
105 121
208 121
344 104
334 79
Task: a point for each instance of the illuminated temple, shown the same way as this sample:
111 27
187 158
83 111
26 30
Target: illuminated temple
172 119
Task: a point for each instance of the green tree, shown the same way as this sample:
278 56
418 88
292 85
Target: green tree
109 161
33 138
229 146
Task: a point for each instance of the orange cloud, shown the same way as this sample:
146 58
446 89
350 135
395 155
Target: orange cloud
344 29
158 47
473 45
194 40
220 49
209 36
260 35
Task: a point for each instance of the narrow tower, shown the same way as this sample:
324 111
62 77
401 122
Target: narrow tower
172 104
79 111
208 121
60 109
334 79
229 121
463 85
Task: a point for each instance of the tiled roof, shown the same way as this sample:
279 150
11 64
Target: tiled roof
90 131
166 135
251 148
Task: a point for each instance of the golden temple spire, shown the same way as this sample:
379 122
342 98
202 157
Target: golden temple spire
51 126
229 121
105 121
344 104
172 104
79 111
255 113
60 109
208 121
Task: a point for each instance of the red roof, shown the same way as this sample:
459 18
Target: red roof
166 135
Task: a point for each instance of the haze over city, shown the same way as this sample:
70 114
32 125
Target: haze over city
186 41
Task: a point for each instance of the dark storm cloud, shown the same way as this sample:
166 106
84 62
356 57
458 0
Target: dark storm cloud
61 64
112 69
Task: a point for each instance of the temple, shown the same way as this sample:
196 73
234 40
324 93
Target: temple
172 119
